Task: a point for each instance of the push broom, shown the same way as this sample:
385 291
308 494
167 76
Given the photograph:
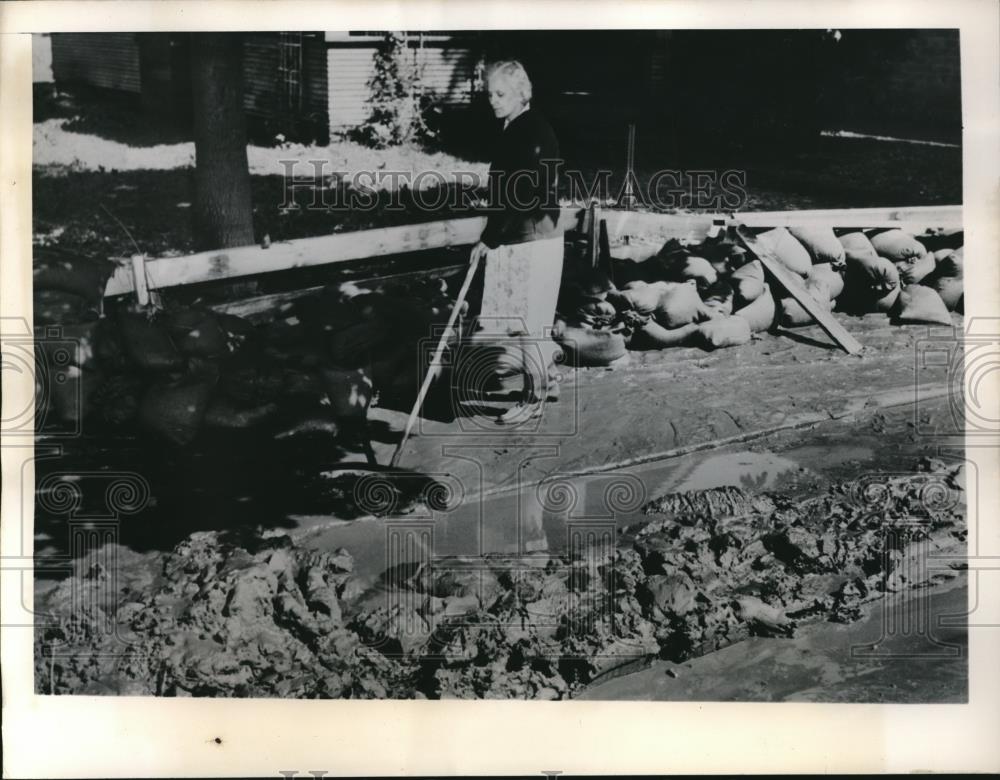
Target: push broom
435 367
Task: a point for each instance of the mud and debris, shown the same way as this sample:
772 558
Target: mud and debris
266 618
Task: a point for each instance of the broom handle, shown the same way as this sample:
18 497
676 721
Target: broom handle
435 361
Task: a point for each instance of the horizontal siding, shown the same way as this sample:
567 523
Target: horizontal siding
107 60
263 93
447 73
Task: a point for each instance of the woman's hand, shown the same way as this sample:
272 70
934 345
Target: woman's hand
478 252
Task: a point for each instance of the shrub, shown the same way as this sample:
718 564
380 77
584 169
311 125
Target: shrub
399 107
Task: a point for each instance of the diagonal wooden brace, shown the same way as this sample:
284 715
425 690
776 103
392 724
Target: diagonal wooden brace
797 290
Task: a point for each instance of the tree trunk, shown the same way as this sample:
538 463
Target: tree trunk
223 210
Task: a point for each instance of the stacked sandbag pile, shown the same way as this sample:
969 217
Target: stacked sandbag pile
711 294
155 368
68 292
174 371
897 273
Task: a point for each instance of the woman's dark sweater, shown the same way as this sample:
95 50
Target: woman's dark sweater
522 185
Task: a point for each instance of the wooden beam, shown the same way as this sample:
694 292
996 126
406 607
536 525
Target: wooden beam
910 217
233 263
793 284
261 308
695 226
300 253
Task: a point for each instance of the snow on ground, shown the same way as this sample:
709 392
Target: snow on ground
60 150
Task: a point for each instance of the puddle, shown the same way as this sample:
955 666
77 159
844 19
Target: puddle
752 471
542 521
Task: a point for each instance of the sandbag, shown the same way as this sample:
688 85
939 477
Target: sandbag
718 299
196 332
55 269
916 268
887 302
355 346
643 297
724 332
942 238
652 335
326 311
950 288
821 243
897 245
949 262
793 315
118 399
597 308
589 347
831 280
693 267
147 342
760 313
617 299
869 277
787 250
679 304
58 307
349 391
72 392
254 385
299 384
108 347
919 304
175 411
748 282
221 414
948 278
856 244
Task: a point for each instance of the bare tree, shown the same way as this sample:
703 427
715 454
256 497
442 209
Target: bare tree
223 208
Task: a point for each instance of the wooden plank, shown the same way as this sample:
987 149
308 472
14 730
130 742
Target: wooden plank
797 290
918 217
632 223
593 231
301 253
261 307
359 245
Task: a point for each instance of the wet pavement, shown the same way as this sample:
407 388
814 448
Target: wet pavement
877 659
540 518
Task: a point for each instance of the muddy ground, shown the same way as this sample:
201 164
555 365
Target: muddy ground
828 524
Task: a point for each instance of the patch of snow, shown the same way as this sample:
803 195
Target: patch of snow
57 151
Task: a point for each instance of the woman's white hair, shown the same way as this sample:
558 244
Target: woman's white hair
513 73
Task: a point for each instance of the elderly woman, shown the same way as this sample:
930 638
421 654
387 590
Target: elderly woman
521 246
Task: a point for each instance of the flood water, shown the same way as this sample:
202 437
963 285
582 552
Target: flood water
796 462
241 484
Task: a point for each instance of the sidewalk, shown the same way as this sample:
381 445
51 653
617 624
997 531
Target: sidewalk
679 400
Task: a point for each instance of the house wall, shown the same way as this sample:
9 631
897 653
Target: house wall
263 93
107 60
448 70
